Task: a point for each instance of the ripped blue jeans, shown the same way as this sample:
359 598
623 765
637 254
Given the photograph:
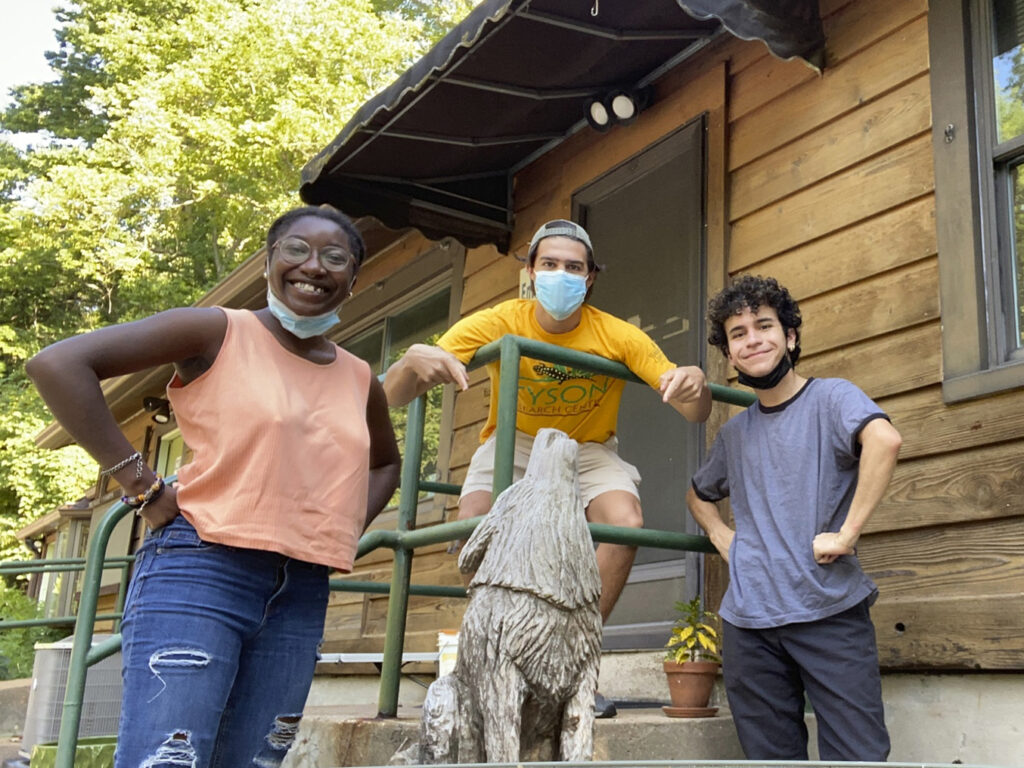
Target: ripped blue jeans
219 647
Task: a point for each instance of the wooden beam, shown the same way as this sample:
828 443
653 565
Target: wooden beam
866 131
892 61
931 427
885 303
858 193
978 632
898 236
985 483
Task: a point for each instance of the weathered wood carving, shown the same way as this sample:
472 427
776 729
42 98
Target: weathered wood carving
530 642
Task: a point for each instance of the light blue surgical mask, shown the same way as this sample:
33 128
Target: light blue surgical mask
303 326
559 292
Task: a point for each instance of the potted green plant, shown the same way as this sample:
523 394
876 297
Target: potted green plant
692 661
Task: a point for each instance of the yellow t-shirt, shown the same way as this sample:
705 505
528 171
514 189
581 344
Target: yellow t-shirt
582 404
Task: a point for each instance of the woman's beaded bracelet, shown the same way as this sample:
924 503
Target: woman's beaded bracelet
150 494
136 457
138 510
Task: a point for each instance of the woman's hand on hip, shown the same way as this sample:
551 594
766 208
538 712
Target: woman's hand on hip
162 509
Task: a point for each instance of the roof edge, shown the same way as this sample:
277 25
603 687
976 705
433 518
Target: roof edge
791 29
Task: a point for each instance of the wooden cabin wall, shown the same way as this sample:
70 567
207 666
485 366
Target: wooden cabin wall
831 190
105 603
826 183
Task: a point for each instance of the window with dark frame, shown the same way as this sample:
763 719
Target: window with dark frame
977 87
421 321
170 453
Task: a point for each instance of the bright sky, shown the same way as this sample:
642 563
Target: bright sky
26 32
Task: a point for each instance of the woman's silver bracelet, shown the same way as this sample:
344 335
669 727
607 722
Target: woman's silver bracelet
136 457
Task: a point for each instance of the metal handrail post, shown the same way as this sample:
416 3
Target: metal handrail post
54 621
401 573
122 591
508 398
650 537
103 649
723 394
384 588
553 353
71 716
56 565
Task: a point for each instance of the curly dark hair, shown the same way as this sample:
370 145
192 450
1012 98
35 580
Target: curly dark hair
752 292
322 212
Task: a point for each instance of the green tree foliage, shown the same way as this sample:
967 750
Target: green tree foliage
32 481
437 16
173 135
16 645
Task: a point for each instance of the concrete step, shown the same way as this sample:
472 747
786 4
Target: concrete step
938 718
336 736
624 675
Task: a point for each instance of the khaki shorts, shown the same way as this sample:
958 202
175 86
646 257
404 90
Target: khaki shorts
601 469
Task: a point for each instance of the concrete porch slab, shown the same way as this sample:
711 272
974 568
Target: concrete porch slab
336 736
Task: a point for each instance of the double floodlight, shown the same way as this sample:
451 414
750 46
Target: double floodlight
618 106
159 407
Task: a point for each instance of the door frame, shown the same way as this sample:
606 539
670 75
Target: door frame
630 171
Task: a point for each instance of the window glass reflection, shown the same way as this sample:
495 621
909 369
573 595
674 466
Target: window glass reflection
1008 67
1017 250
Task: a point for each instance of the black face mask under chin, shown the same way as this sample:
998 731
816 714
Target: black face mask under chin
773 378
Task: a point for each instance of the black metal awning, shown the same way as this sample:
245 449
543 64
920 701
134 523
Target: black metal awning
438 148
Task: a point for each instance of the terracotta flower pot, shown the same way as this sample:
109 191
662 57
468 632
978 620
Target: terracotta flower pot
689 686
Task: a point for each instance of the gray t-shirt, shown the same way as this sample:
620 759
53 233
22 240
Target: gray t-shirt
790 471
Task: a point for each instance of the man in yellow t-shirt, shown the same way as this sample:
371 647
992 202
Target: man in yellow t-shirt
582 404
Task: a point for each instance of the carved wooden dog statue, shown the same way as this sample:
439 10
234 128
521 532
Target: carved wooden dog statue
530 642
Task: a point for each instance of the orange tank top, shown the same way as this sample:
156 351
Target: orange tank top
281 449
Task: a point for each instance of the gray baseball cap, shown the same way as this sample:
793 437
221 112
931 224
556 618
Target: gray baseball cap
563 228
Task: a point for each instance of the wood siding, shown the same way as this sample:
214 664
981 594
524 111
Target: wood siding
826 183
831 190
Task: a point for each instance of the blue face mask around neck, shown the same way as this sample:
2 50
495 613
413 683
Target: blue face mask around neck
303 326
560 293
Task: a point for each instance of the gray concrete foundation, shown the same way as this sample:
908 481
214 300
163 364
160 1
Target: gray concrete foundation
942 718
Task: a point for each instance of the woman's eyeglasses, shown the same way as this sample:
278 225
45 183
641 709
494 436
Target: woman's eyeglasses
295 250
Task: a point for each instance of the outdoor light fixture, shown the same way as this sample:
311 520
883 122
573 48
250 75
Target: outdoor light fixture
598 115
160 408
618 106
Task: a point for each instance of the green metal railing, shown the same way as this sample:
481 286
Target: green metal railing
403 540
509 349
67 564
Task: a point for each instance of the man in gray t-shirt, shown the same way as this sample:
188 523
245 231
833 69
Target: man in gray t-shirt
804 468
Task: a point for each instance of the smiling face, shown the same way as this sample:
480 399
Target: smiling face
307 288
757 340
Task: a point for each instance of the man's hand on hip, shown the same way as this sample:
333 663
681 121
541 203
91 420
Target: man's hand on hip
828 546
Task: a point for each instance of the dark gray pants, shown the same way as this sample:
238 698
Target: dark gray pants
835 660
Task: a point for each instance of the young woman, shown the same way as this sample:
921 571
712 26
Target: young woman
293 455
